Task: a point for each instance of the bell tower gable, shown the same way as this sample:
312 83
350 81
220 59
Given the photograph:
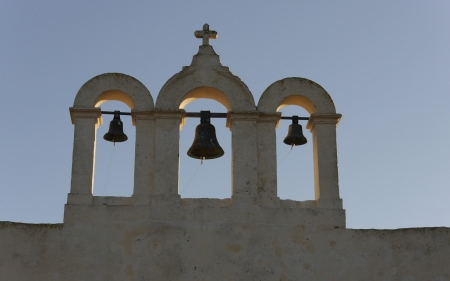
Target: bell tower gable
204 74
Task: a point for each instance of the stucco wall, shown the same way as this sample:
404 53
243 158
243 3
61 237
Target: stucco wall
200 243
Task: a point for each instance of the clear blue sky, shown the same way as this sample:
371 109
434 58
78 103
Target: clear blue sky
386 64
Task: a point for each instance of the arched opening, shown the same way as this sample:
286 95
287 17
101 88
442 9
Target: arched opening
300 101
114 95
206 93
295 170
212 179
114 164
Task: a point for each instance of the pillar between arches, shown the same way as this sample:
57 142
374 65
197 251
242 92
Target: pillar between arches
267 159
144 156
86 122
326 181
244 157
167 140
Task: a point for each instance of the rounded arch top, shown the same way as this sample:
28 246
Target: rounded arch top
296 91
217 84
205 93
114 86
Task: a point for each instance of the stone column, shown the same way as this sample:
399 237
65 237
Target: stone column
244 157
86 122
167 148
144 156
267 159
326 182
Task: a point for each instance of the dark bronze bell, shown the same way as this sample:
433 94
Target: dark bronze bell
205 145
115 133
295 133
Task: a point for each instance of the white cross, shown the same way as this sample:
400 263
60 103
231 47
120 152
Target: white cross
206 34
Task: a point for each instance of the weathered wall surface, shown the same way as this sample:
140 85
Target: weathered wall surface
189 243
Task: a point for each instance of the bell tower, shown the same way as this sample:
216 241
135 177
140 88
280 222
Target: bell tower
253 157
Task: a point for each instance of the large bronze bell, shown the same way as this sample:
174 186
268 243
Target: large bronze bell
295 133
205 145
115 133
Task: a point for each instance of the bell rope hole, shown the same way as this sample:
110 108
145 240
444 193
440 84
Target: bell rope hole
212 178
114 175
295 170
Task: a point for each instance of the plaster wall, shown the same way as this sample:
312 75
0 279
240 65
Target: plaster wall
199 243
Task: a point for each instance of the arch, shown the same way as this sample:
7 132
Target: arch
296 91
206 78
221 86
322 124
86 117
114 86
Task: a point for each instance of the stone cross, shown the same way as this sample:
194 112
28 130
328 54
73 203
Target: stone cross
206 34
